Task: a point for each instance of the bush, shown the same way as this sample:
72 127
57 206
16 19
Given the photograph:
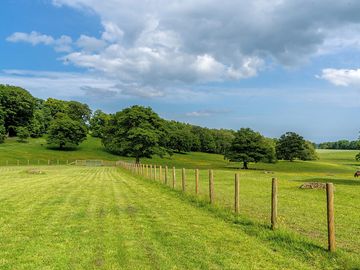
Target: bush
22 133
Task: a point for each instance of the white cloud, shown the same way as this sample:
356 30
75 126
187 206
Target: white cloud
341 77
160 44
206 113
90 44
62 44
33 38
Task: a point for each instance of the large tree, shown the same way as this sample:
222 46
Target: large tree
64 131
97 123
17 105
136 132
250 146
290 146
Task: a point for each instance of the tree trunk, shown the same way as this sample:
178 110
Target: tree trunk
245 165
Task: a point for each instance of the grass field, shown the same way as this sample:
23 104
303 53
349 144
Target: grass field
104 218
76 218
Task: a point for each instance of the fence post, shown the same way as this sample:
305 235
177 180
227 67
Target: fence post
211 186
151 171
155 172
174 177
147 170
197 181
160 173
330 217
274 201
183 180
237 189
166 174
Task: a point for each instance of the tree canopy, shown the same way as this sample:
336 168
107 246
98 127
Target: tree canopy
250 146
64 131
292 146
17 106
135 132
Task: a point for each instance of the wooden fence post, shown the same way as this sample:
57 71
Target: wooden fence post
160 173
151 171
147 170
274 202
174 177
330 217
183 180
237 189
211 186
196 181
155 172
166 174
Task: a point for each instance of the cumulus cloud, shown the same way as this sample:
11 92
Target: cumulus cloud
33 38
161 43
62 44
341 77
206 113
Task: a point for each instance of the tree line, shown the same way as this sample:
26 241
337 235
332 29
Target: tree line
137 131
341 144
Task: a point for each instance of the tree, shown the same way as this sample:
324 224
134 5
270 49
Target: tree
290 146
357 157
2 133
97 123
135 132
309 152
78 111
2 127
18 107
64 131
250 146
22 133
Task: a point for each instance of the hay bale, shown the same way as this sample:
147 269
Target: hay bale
313 185
34 171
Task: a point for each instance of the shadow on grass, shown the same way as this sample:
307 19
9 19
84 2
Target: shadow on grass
349 182
64 149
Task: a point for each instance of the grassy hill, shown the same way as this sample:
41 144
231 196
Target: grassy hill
104 218
302 213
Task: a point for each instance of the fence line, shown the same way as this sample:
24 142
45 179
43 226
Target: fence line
139 169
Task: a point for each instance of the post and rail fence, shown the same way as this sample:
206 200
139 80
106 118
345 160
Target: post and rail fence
142 170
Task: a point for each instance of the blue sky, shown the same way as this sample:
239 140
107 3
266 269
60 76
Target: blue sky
274 66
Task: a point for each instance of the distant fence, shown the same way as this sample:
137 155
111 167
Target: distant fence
42 162
155 172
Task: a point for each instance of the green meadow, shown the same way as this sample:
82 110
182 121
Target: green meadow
107 218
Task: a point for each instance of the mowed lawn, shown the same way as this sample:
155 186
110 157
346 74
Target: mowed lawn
104 218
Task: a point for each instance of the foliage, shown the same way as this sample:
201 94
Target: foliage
22 133
290 146
309 152
357 157
17 106
97 123
65 131
78 111
136 132
250 146
2 133
341 144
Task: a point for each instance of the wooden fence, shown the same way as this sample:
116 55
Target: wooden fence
154 172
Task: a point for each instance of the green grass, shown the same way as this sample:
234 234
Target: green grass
103 218
78 195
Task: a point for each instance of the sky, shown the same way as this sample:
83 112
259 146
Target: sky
274 66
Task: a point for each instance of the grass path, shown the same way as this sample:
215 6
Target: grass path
103 218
